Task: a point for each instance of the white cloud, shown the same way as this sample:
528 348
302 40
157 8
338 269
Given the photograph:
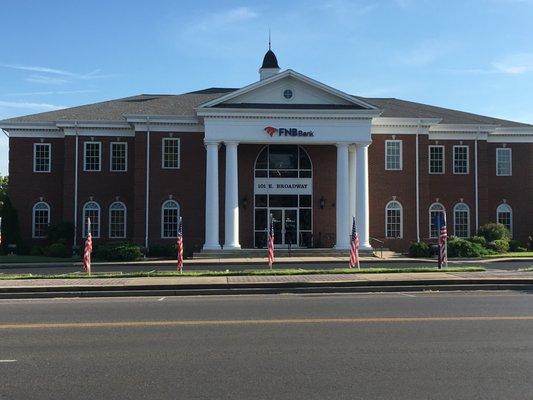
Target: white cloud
30 105
47 80
51 92
223 19
515 64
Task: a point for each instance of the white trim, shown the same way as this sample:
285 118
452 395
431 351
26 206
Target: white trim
443 159
99 156
125 209
36 134
417 184
173 139
111 157
401 219
101 132
401 154
468 219
509 210
33 219
84 226
162 220
429 217
467 159
49 145
510 161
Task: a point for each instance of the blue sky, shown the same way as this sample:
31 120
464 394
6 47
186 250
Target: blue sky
472 55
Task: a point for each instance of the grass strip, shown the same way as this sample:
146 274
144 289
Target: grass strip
249 272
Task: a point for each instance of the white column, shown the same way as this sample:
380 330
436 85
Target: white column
212 241
232 198
362 196
343 198
353 180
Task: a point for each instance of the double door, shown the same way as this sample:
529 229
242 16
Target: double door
285 226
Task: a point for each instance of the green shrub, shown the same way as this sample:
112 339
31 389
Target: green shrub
500 245
62 232
493 231
162 250
118 251
479 240
419 249
521 249
57 250
514 245
36 250
465 248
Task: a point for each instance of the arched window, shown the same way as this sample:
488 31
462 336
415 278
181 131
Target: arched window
170 213
117 220
504 216
91 210
393 220
436 211
461 220
41 219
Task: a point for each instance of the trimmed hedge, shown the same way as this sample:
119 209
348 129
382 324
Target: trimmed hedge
419 249
465 248
493 231
118 251
162 250
499 246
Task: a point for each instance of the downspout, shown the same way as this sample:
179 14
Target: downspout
417 186
147 194
76 156
476 179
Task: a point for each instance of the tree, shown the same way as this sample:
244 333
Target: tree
10 221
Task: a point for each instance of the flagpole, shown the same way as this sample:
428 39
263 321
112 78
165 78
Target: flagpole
446 243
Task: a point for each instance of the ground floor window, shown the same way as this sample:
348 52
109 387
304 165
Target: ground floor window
117 220
41 219
91 210
170 213
436 218
504 216
461 220
393 220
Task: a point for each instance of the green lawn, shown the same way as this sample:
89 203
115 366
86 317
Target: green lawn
142 274
513 254
34 259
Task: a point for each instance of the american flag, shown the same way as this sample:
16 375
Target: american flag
0 231
443 237
354 247
179 243
271 242
88 249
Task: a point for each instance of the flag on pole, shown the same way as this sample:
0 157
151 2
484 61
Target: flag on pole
0 231
443 238
179 243
354 247
271 242
88 249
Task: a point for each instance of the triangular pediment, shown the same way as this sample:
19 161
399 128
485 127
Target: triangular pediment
288 90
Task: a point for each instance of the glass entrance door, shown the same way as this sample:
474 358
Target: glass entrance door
285 226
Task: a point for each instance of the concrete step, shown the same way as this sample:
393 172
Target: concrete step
258 253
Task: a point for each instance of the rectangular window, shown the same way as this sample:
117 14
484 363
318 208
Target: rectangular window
92 154
394 223
504 162
117 221
436 159
460 159
41 157
119 157
171 153
393 155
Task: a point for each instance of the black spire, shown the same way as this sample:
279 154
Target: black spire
270 60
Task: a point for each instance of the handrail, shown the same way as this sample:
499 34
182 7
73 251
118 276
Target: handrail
381 242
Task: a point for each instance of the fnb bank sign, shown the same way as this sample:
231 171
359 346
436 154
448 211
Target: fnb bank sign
287 132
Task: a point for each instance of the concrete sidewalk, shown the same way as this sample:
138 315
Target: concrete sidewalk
488 280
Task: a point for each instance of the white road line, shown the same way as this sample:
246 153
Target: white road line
161 299
7 361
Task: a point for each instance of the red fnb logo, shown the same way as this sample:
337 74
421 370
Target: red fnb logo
271 130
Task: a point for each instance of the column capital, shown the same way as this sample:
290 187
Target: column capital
342 144
363 144
212 142
231 143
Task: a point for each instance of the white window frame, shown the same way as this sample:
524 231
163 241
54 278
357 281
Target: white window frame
111 156
443 210
443 159
401 154
505 149
178 207
33 219
49 145
125 209
163 152
467 159
504 207
401 219
455 209
99 156
84 225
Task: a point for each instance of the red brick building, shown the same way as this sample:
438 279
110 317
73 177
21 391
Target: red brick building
310 155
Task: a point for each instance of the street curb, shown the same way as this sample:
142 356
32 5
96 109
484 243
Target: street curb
266 288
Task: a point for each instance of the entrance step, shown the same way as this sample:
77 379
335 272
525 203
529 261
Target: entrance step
262 253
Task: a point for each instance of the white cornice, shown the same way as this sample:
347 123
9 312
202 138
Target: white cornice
286 113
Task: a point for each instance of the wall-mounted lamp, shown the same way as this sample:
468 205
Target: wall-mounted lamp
322 202
244 202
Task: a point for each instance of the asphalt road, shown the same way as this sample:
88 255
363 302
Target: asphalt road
474 345
506 265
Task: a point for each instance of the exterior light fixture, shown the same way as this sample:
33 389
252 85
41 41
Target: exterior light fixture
322 202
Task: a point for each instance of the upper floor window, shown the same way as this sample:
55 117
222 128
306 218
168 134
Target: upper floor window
41 219
171 153
42 157
92 155
393 155
117 220
170 213
119 156
437 214
393 220
91 210
460 159
436 159
461 220
504 162
504 216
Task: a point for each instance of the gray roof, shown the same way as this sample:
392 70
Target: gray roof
184 104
